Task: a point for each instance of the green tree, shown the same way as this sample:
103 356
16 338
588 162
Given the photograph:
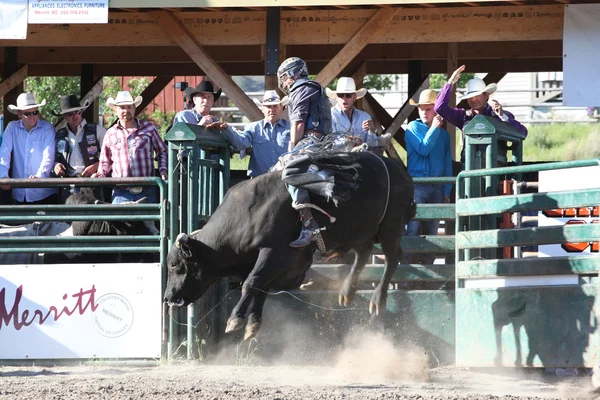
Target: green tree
437 81
52 88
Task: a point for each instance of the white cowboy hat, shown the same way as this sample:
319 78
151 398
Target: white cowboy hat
427 96
346 85
271 98
25 101
123 99
477 86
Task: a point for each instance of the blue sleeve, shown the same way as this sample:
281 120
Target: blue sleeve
240 140
447 165
48 153
6 150
185 116
421 146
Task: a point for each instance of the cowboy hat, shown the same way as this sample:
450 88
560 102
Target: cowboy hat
345 85
123 98
427 96
271 98
69 103
477 86
203 87
25 101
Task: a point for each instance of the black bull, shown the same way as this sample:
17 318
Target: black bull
248 237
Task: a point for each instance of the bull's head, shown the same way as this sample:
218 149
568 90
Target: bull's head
186 280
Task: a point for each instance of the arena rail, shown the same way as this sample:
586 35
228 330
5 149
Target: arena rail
550 302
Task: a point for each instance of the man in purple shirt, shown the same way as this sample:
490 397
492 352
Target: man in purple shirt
477 95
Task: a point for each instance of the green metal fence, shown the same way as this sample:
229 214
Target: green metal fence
198 180
525 312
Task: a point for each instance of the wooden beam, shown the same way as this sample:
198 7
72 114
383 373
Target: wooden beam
14 80
452 66
364 36
359 77
172 26
410 25
384 118
395 127
90 96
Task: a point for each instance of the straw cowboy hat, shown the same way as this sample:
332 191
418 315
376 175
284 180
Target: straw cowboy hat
427 96
25 101
346 85
271 98
477 86
69 103
123 99
203 87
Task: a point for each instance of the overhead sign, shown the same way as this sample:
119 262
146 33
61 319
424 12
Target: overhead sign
13 19
581 58
68 11
569 179
80 311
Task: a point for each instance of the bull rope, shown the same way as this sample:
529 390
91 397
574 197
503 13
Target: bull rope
387 173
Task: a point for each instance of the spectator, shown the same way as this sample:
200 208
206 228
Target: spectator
128 150
477 95
268 137
27 151
429 155
347 118
78 144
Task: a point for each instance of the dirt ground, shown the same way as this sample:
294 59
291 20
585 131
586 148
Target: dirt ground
193 381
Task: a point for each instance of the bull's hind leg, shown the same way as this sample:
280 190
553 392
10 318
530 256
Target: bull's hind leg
350 285
390 244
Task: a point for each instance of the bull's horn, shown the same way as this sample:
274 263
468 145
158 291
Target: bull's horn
141 201
182 238
195 232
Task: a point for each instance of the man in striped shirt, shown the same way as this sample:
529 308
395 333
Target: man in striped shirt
128 150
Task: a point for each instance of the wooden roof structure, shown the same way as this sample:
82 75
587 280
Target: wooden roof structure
222 38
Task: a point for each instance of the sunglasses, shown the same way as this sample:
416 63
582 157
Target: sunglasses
346 95
70 114
30 113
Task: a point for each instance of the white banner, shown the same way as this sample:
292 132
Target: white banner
581 58
68 11
569 179
13 19
80 311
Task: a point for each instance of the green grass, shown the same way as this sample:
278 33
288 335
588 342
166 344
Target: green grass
562 142
545 142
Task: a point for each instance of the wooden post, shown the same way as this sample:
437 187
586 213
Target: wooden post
272 47
88 81
362 38
173 27
359 77
11 67
452 66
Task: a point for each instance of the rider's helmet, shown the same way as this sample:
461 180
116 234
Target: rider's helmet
294 68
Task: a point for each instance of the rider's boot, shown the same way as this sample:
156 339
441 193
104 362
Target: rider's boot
309 231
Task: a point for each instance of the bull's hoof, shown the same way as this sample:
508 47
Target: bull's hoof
234 324
347 293
378 301
251 330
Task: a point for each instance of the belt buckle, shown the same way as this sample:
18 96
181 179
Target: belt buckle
135 190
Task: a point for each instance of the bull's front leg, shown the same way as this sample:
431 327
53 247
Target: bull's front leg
350 284
256 284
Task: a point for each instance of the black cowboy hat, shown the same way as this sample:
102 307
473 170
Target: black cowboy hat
203 87
69 103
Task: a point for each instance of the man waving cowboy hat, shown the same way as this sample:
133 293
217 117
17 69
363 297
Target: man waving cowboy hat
347 118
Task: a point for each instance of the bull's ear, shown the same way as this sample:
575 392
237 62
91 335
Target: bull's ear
181 240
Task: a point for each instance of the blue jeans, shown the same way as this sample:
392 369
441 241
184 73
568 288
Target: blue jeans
121 195
426 194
